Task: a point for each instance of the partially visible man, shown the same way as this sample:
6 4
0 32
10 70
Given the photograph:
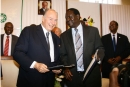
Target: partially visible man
116 46
44 8
36 50
8 40
57 31
78 45
119 75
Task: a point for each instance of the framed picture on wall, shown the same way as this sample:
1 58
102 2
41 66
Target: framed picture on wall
43 5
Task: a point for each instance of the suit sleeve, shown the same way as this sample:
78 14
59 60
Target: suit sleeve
63 53
99 45
21 49
126 51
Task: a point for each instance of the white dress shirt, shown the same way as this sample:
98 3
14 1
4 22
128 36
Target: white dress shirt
51 46
80 31
115 36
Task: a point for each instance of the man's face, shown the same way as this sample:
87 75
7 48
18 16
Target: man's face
8 28
113 27
72 20
49 20
44 5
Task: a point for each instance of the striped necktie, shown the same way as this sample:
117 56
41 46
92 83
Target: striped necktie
6 48
79 50
47 38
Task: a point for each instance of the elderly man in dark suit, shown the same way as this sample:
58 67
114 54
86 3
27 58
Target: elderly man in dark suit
116 46
12 40
86 44
36 50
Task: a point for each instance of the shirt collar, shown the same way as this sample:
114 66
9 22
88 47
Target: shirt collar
7 35
114 34
79 27
44 29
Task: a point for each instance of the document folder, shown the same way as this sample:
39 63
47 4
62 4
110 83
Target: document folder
91 66
60 67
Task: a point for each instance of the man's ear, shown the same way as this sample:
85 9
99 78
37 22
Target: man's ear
78 17
43 18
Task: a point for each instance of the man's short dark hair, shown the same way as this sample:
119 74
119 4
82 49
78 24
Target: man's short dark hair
115 22
76 12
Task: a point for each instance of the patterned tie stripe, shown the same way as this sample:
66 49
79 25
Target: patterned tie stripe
47 38
79 49
6 48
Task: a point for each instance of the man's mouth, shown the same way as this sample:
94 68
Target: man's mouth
52 26
69 23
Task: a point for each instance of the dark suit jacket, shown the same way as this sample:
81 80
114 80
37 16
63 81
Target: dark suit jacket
41 11
14 41
91 42
122 50
32 46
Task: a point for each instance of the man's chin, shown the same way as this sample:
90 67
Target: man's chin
69 25
8 33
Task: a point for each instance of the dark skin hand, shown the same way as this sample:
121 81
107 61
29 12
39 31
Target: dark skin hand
68 74
114 60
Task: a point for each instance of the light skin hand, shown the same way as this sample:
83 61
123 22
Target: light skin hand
68 74
42 68
57 71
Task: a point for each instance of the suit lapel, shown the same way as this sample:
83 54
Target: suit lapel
42 37
118 41
2 36
70 40
85 38
12 46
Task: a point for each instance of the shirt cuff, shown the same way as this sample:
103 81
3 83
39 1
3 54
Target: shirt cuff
32 66
99 62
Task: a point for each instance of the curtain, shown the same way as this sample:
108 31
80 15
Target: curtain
119 13
60 7
87 10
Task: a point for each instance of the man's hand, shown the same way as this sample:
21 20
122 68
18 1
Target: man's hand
114 60
68 74
42 68
111 61
117 59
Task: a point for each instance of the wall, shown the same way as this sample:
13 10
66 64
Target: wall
29 14
12 8
86 10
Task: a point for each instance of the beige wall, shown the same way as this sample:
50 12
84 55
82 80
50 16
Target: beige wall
123 2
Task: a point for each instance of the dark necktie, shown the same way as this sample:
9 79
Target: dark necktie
47 38
79 49
114 42
6 48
